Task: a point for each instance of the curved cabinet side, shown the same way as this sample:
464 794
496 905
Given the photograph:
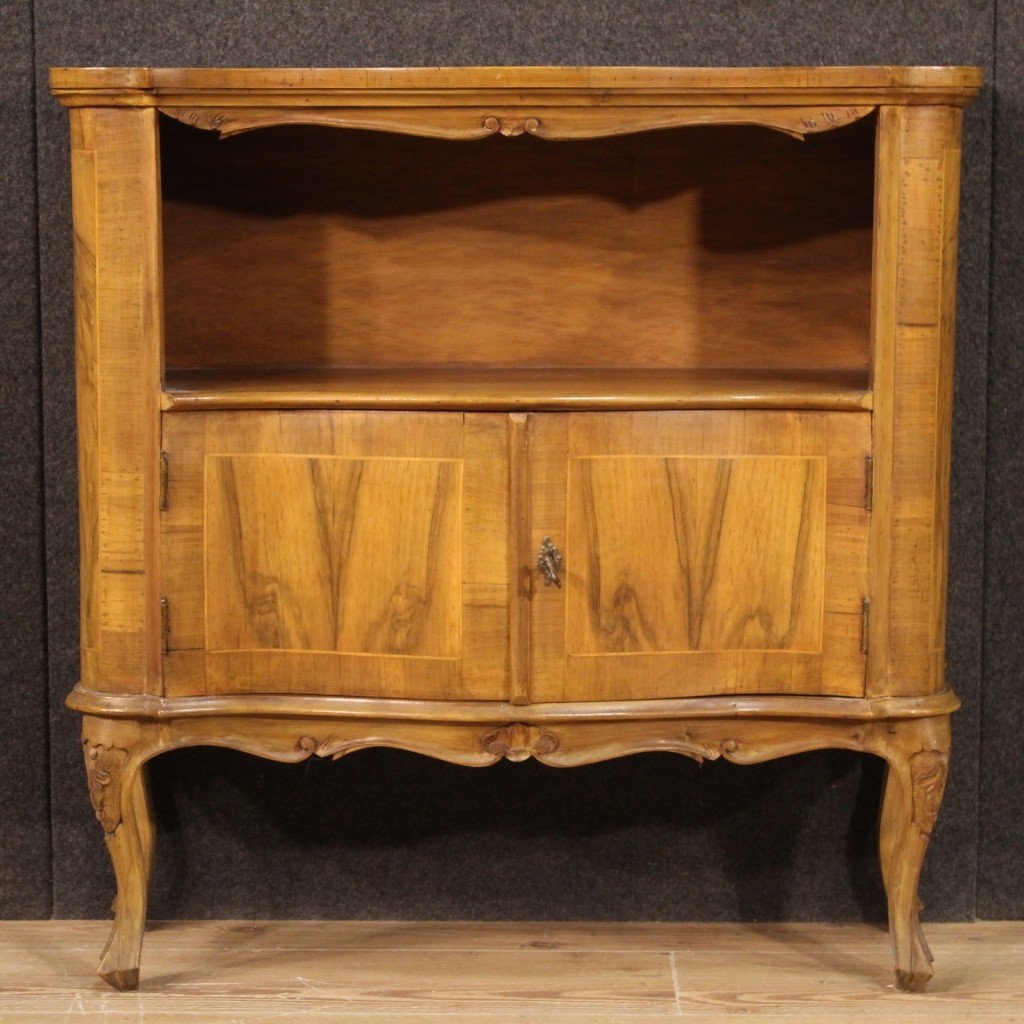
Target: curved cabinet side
115 178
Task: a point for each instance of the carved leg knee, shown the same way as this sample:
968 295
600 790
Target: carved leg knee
918 757
115 760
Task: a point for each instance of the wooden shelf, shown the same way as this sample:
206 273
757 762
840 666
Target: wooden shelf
515 388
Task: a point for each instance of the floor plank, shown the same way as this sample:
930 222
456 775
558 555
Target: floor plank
389 972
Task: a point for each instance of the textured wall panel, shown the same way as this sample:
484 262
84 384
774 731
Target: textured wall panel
25 818
1001 835
381 835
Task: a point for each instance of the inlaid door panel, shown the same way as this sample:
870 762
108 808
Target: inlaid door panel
334 552
704 552
328 553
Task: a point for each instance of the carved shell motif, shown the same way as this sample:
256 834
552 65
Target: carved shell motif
517 742
928 770
510 126
328 746
104 766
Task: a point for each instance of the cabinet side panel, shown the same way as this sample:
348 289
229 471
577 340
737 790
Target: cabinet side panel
118 340
951 163
83 179
888 150
919 162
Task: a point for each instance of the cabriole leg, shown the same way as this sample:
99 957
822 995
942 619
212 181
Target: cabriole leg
116 753
918 758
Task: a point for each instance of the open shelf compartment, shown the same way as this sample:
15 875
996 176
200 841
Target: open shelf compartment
719 265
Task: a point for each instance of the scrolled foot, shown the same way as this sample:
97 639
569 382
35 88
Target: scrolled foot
115 761
125 980
913 981
918 756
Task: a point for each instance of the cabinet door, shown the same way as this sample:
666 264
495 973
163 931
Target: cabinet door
351 553
704 553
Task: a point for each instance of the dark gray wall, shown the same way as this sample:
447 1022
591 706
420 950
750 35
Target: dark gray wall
383 834
1000 874
25 817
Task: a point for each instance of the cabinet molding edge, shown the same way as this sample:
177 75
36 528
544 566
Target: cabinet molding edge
146 707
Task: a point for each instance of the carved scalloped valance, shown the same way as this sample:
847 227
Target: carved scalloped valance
559 123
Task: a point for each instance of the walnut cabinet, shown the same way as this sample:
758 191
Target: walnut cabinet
562 413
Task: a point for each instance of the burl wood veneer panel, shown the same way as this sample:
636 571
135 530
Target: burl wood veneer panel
320 553
696 554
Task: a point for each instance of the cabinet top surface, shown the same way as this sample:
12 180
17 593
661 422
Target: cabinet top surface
734 86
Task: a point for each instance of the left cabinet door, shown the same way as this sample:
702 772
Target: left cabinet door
345 553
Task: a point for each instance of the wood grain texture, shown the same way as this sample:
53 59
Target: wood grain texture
466 123
83 198
352 553
315 553
572 86
520 558
511 935
790 706
696 554
706 553
572 973
118 352
914 336
502 388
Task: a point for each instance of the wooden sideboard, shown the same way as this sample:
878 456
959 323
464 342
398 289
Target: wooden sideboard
515 412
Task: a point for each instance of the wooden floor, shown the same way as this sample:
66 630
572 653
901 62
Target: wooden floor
413 973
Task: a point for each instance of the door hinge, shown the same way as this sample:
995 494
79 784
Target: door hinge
865 624
163 480
869 481
165 626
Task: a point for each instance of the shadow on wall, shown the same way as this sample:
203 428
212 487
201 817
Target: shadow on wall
385 835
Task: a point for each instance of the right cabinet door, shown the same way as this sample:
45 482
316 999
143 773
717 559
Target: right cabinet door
703 553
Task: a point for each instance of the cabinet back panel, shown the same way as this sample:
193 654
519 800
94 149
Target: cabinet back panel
729 247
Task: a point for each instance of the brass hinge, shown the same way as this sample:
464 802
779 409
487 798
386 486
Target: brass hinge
163 481
865 624
165 626
869 481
